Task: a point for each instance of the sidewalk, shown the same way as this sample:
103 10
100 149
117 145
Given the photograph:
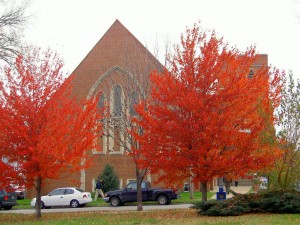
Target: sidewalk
238 189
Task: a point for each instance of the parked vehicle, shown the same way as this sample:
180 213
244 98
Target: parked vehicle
20 194
68 196
129 194
7 200
20 191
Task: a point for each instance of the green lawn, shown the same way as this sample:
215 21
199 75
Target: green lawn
174 217
23 204
185 198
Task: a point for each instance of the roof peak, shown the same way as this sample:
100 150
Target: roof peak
117 23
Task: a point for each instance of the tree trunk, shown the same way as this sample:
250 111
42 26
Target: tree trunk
139 178
204 191
191 188
38 213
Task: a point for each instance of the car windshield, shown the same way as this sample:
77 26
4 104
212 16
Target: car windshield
80 190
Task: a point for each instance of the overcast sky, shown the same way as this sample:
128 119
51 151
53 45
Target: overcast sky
73 27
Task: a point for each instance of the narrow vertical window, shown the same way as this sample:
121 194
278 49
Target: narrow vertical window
134 98
101 104
117 101
251 74
116 141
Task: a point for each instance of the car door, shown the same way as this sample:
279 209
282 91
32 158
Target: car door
130 191
55 198
144 192
69 195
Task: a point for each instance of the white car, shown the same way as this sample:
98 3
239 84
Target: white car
68 196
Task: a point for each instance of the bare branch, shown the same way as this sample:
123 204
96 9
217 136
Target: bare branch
12 22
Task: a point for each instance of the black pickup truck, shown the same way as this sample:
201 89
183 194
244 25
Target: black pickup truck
129 194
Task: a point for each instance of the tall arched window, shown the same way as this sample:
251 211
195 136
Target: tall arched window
134 99
117 101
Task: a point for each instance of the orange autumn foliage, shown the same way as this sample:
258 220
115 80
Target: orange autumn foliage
205 117
43 129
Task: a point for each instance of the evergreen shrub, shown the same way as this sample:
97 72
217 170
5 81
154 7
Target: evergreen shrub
264 202
109 178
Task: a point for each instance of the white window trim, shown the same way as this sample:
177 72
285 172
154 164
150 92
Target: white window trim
120 183
130 180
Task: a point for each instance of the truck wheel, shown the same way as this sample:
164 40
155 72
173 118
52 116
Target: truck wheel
115 201
162 200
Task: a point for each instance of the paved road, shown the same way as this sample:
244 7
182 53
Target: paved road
89 209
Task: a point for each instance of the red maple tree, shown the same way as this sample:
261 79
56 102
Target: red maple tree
45 130
206 116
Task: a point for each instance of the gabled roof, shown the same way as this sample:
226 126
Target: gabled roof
117 47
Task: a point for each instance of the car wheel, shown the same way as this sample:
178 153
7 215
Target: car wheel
74 204
7 207
115 201
162 200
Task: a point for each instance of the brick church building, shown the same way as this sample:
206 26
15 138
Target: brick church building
117 68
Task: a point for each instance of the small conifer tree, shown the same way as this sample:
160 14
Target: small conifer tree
109 178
